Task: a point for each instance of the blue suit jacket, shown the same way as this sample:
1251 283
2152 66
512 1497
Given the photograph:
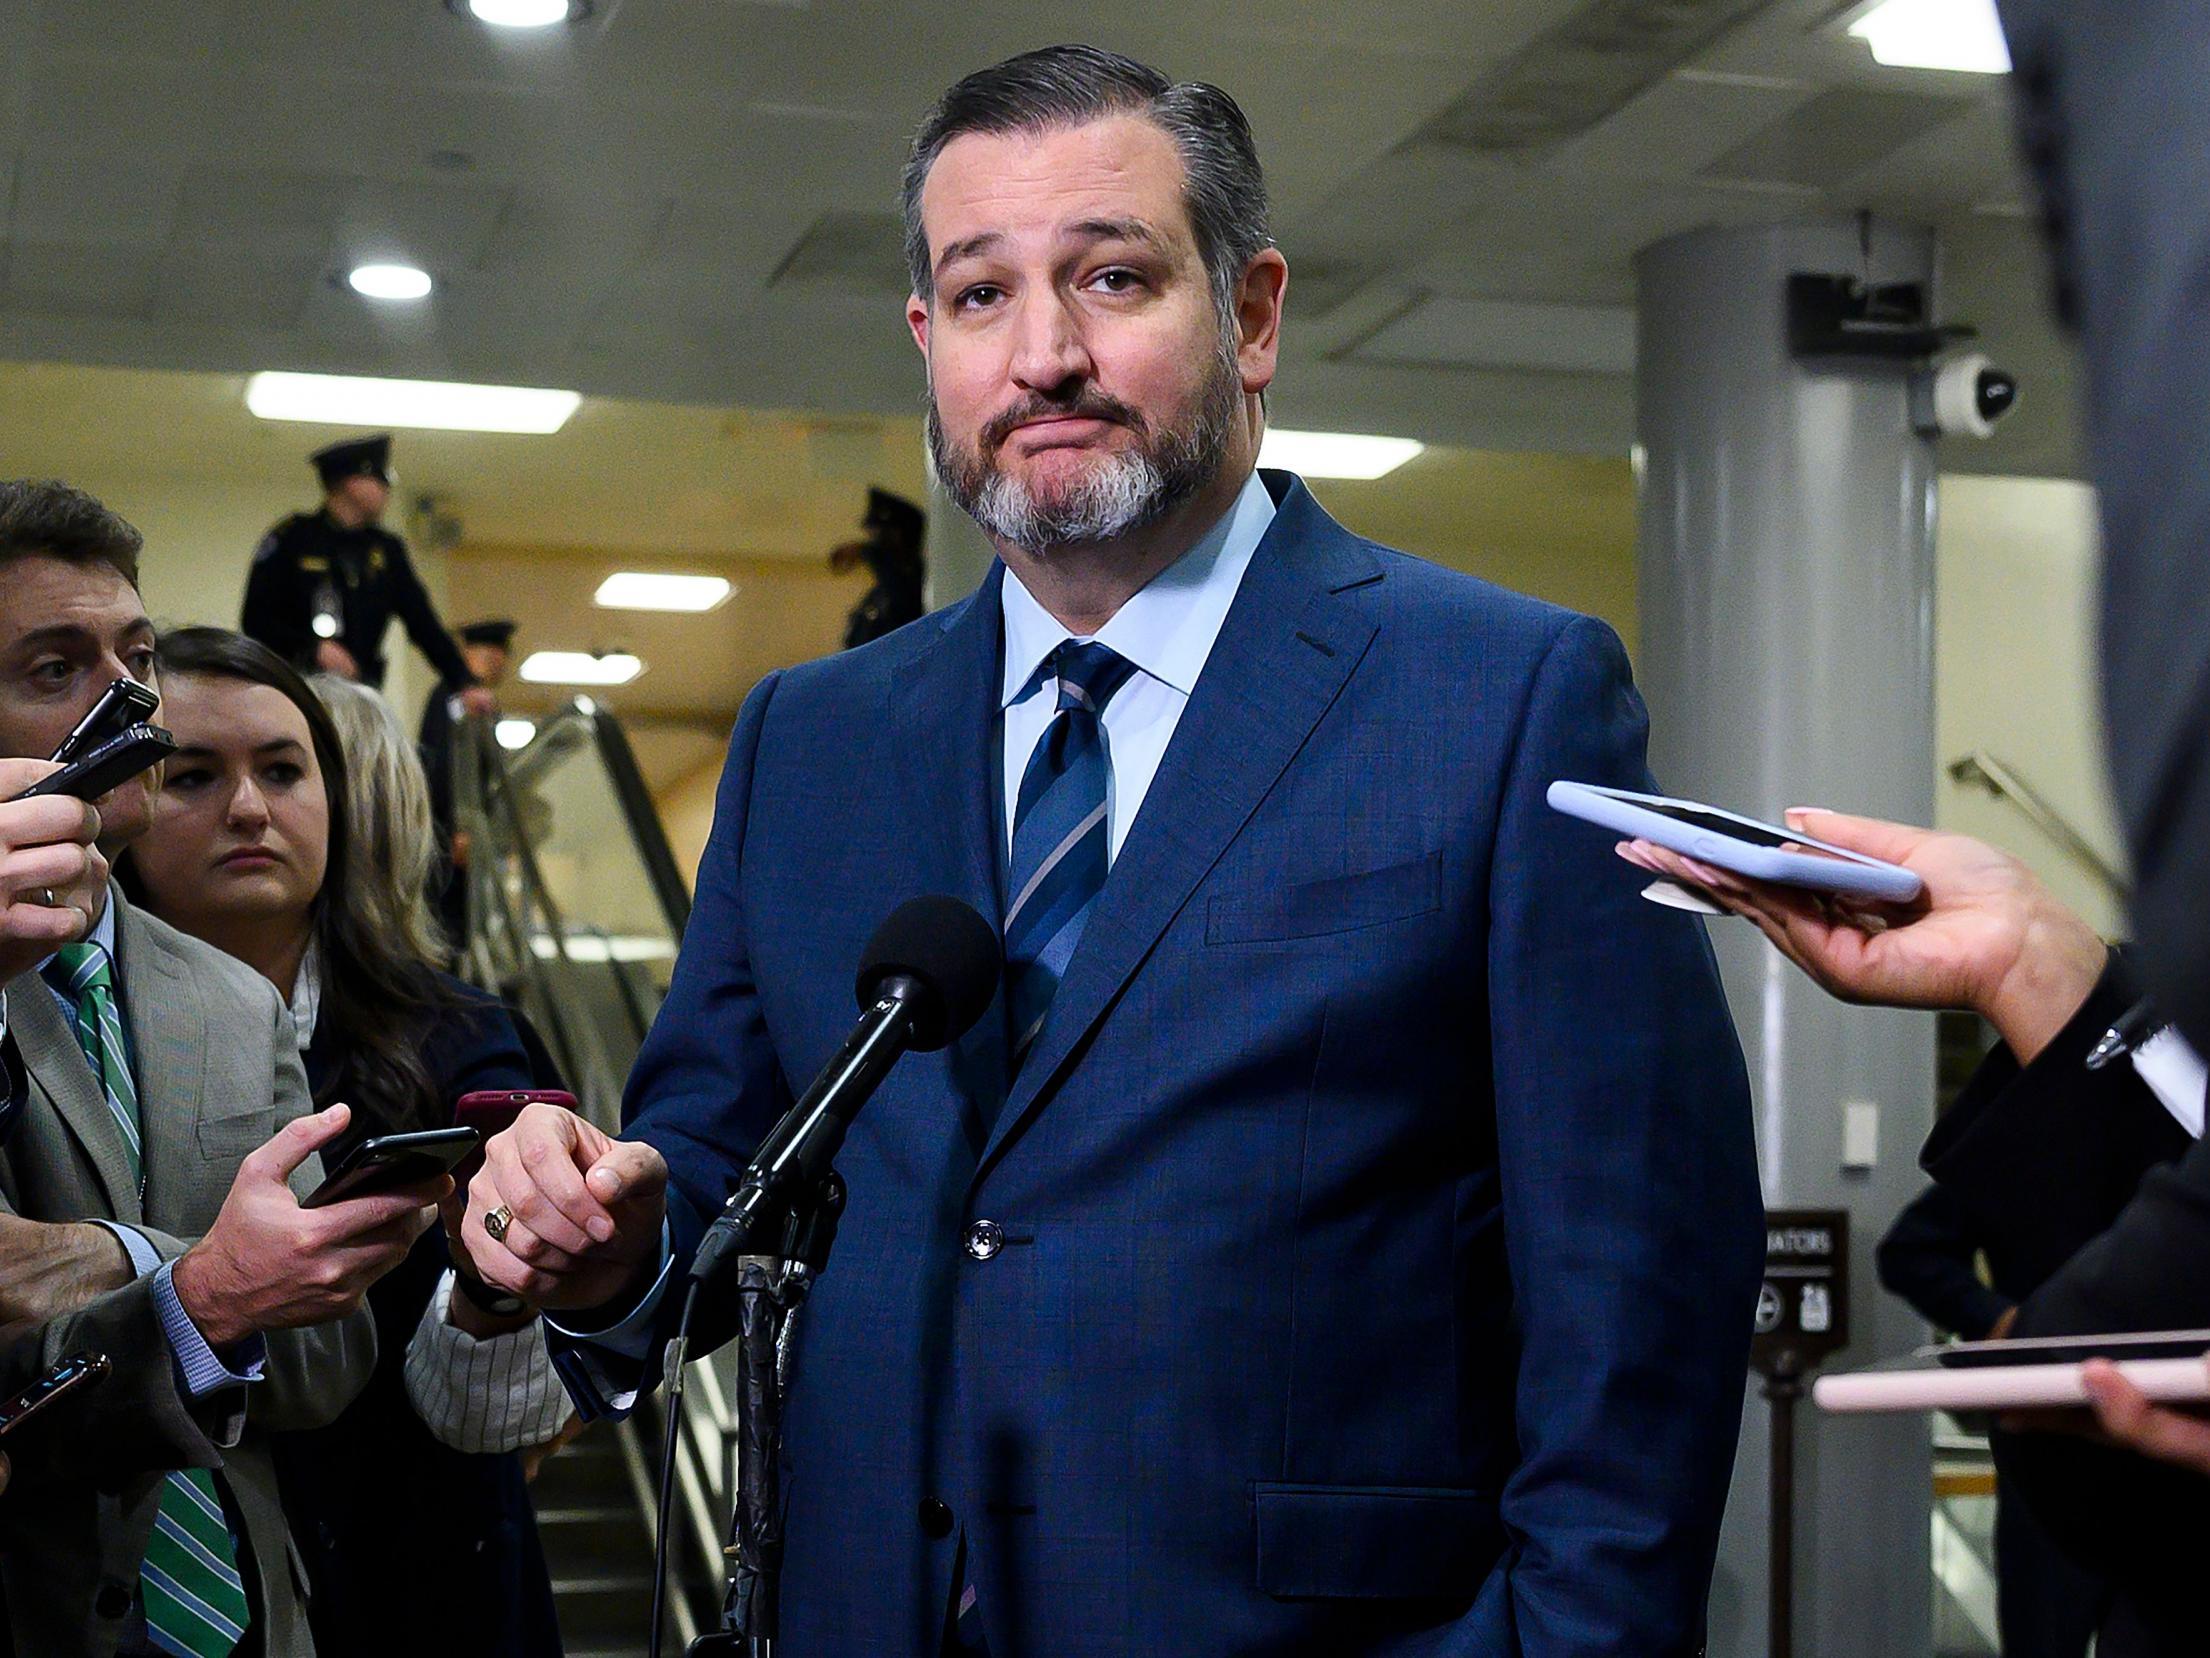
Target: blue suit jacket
1381 1220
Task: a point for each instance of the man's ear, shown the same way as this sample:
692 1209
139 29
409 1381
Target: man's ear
1258 317
917 320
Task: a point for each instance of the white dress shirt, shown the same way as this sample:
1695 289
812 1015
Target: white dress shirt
1167 630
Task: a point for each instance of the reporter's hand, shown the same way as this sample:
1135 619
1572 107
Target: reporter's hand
586 1210
269 1264
534 1457
1984 935
478 699
2129 1418
46 846
333 658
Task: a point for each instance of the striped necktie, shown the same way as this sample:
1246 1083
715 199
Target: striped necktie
1060 836
194 1599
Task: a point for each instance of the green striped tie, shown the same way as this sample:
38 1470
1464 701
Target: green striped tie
195 1602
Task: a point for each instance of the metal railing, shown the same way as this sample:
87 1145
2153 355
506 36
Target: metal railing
1983 770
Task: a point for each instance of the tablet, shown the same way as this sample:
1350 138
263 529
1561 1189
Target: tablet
2004 1387
1763 851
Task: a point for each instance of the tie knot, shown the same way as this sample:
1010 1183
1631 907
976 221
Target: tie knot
1089 674
83 967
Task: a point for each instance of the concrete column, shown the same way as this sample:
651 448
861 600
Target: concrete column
1786 579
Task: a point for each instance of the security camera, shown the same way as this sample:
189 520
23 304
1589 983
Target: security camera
1969 395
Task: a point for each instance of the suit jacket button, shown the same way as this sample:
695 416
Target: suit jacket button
112 1601
984 1239
936 1517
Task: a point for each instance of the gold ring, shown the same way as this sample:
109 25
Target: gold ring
497 1221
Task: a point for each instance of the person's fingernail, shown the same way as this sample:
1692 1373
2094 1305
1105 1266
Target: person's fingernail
1795 812
600 1228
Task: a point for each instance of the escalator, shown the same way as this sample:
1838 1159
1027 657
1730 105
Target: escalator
576 908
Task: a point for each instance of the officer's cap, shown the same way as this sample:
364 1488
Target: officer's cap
354 458
493 630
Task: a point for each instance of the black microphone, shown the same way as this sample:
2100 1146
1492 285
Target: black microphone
924 979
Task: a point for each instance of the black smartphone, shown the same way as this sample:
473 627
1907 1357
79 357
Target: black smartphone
123 704
386 1162
117 760
79 1371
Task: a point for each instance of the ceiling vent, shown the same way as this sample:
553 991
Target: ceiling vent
859 253
1568 79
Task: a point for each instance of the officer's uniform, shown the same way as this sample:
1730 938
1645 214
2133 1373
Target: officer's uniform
313 579
440 722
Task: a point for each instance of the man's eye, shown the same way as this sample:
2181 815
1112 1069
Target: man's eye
53 672
977 297
140 663
1118 281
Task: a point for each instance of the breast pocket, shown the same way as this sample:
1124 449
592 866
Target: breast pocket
1339 904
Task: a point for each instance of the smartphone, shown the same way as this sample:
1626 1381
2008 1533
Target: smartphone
100 769
1764 851
2152 1344
124 703
492 1111
71 1375
385 1162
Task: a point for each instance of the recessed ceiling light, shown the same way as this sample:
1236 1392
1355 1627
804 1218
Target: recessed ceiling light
389 281
430 405
1963 35
521 14
648 590
1335 454
580 668
514 732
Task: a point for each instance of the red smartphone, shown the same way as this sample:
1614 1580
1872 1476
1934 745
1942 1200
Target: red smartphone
492 1111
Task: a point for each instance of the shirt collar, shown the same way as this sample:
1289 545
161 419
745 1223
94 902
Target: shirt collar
307 995
1167 629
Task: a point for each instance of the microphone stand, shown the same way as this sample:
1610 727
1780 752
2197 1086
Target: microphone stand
770 1288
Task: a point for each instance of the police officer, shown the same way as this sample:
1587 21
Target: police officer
891 550
325 584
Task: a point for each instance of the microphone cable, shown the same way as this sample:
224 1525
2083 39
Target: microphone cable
672 1390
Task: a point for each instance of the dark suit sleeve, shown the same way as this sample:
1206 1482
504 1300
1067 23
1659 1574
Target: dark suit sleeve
1927 1259
412 602
1632 1219
707 1084
2042 1158
272 612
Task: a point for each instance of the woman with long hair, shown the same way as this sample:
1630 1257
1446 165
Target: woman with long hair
296 836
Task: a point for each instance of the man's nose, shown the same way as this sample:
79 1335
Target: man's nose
1049 350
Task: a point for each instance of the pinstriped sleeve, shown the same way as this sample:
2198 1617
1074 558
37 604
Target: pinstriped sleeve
496 1394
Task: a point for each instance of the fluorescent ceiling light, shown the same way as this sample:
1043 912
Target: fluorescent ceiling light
646 590
519 14
432 405
514 733
580 668
1335 454
1936 34
389 282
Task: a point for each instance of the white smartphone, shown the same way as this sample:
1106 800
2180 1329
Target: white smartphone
1763 851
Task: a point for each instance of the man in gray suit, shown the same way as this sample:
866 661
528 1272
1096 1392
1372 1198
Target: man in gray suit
163 1101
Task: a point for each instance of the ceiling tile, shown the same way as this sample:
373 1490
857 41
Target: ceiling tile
83 280
1836 135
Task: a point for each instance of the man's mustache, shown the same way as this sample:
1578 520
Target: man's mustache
1090 404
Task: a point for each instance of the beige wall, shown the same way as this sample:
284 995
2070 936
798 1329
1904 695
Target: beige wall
2015 669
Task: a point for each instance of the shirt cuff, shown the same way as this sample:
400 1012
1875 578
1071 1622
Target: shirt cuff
481 1395
202 1370
144 1258
632 1335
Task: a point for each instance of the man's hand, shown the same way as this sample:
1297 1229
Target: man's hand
48 1268
1984 935
586 1210
534 1457
268 1264
45 849
478 700
2128 1418
333 658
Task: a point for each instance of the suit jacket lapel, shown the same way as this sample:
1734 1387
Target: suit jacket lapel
56 1063
1285 650
943 723
170 1037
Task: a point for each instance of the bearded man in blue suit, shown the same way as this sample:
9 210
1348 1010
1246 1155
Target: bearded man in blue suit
1343 1235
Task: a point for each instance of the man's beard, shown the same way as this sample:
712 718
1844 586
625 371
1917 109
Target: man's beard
1127 490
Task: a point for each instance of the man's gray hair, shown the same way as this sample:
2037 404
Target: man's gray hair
1224 190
